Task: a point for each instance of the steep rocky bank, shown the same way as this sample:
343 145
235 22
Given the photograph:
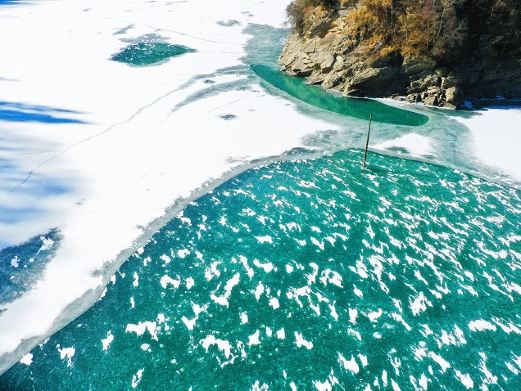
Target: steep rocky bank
484 62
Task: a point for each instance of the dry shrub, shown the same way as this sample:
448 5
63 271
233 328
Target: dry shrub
440 29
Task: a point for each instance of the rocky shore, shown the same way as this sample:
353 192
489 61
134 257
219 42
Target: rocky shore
324 55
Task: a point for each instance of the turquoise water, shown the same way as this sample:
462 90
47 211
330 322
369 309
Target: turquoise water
353 107
149 53
308 274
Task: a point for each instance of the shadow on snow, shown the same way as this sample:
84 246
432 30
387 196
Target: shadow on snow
21 112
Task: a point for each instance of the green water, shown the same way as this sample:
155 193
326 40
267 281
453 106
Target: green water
308 274
149 53
353 107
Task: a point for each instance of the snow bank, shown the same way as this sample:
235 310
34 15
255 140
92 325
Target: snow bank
496 135
415 144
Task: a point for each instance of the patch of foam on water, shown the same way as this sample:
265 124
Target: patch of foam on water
465 379
136 379
167 280
15 262
481 325
190 323
331 277
267 266
421 383
249 271
189 282
375 315
67 354
350 365
455 338
141 327
27 359
419 304
105 342
353 314
228 287
47 244
444 364
358 292
254 339
489 378
264 239
165 258
301 342
274 303
212 271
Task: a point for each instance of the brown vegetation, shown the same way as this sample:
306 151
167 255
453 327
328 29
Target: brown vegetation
440 29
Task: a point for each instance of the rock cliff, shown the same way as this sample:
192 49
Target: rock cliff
329 46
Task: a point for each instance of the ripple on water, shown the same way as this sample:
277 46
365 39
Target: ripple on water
310 274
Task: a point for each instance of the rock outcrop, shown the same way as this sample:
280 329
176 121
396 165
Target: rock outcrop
321 53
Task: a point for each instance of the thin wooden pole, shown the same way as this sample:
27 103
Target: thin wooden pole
367 142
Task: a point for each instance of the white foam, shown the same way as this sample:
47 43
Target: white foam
481 325
105 342
375 315
465 379
351 365
222 345
228 287
415 144
27 359
267 267
141 327
274 303
444 364
67 354
264 239
190 323
167 280
136 379
301 342
254 339
353 314
189 283
15 262
419 304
